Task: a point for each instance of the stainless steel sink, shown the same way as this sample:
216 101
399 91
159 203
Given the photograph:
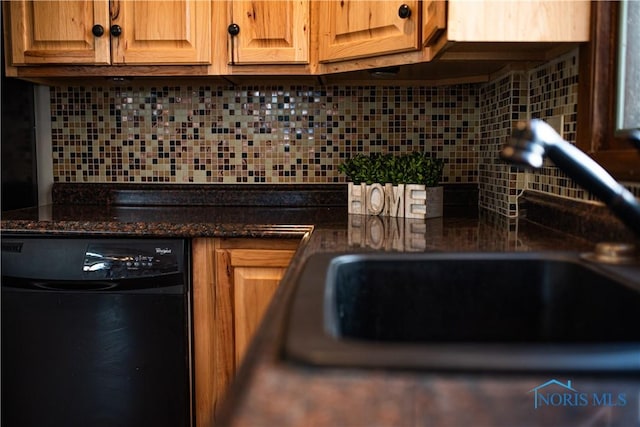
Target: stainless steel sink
466 311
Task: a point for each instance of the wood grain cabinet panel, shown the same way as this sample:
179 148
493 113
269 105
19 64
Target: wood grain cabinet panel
80 32
518 21
234 281
270 32
434 20
352 29
162 32
256 276
57 32
441 40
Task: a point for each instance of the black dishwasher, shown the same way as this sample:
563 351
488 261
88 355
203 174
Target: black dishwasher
95 332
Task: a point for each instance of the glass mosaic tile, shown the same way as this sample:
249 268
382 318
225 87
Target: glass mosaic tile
300 134
254 134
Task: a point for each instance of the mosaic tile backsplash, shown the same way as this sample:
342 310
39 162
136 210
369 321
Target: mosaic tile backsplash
553 92
261 134
300 134
548 92
503 103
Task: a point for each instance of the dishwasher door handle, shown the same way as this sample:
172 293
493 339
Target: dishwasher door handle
169 284
66 286
58 285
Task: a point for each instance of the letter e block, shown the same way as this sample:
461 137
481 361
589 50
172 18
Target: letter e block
415 201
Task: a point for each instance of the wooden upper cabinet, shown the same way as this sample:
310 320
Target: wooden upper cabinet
55 38
161 32
133 32
269 32
350 29
58 32
434 20
518 21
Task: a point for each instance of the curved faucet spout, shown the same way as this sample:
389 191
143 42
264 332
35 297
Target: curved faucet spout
533 140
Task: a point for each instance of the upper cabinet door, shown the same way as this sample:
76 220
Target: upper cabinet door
518 21
355 28
161 32
434 20
58 32
269 32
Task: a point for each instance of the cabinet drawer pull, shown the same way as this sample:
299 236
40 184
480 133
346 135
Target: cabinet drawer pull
97 30
233 29
404 11
116 30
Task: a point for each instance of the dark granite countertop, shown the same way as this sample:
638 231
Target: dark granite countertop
271 391
182 210
171 221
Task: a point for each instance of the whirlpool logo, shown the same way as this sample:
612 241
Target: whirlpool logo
555 393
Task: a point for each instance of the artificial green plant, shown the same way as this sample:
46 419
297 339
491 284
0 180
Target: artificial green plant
413 168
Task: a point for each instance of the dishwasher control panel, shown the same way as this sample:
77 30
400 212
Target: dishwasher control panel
113 261
88 259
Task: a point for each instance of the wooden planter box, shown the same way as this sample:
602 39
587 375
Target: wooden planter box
409 201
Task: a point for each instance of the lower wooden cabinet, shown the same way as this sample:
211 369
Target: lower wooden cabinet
233 283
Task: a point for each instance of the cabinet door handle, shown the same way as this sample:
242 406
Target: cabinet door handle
404 11
116 30
97 30
233 29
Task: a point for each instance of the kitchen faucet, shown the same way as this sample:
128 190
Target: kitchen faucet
532 140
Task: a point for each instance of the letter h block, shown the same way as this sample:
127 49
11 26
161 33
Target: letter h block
357 198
